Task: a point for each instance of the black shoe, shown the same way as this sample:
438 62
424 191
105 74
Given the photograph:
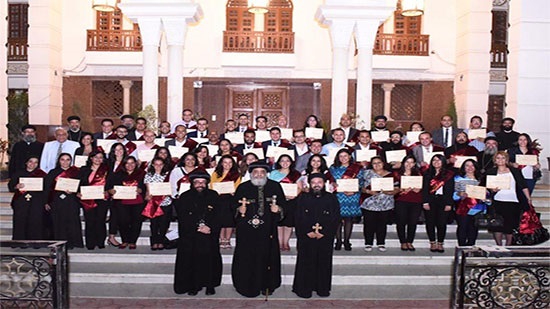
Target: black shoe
338 246
210 291
347 246
323 294
192 293
101 247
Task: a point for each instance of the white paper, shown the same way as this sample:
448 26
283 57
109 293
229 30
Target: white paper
411 182
177 152
80 161
290 189
527 160
224 187
287 134
501 182
262 136
184 186
172 234
162 141
212 149
138 143
477 192
381 184
460 160
259 152
160 188
32 184
380 136
364 154
146 155
348 185
395 155
200 140
475 133
106 144
67 184
429 156
125 192
211 171
314 133
92 192
412 136
235 137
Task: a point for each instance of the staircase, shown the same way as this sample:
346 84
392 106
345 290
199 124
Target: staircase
394 275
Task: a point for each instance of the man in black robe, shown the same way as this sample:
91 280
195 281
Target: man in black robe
316 219
24 149
257 261
198 260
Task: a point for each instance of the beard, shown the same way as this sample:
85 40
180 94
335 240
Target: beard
490 151
506 128
317 191
29 138
259 182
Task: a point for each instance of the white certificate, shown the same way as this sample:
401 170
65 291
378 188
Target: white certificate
80 161
32 184
290 189
380 136
177 152
275 152
477 192
348 185
314 133
67 184
200 140
125 192
224 187
475 133
184 186
395 155
146 155
412 136
411 182
527 159
501 182
92 192
364 154
159 188
332 155
381 184
138 143
460 160
287 133
210 171
259 152
430 155
172 235
235 137
106 144
262 136
162 141
212 149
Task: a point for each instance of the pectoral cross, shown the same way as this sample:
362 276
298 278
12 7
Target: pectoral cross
243 202
317 227
28 197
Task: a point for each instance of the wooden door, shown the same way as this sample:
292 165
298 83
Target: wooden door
257 100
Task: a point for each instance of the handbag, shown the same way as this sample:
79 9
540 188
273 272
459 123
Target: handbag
488 220
530 231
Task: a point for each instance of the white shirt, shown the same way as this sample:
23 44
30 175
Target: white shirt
302 150
449 137
426 152
49 154
510 194
346 133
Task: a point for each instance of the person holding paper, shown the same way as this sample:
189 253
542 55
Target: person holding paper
64 206
468 174
461 147
476 123
248 159
198 260
345 168
136 134
395 143
164 154
275 141
485 157
446 135
244 123
437 195
377 206
202 129
25 148
86 145
365 144
114 160
425 150
226 149
338 138
261 123
203 157
301 150
408 203
350 133
122 137
380 123
509 203
94 173
226 171
181 139
28 206
75 130
313 121
531 173
411 141
180 174
158 208
284 172
249 142
129 210
187 120
149 137
316 218
316 164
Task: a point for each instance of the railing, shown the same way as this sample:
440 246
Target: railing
17 49
114 40
401 44
499 54
511 277
258 42
36 277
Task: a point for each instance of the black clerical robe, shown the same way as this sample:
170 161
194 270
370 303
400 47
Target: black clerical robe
257 260
198 260
314 262
19 154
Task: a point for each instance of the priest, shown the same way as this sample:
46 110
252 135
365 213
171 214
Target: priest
198 260
257 261
316 219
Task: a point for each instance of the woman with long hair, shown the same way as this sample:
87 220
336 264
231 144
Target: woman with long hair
284 172
437 195
226 149
345 168
377 205
158 207
525 147
86 145
203 156
248 159
313 121
315 164
414 127
408 204
64 206
129 210
508 202
116 155
95 173
179 177
226 171
163 153
468 174
28 206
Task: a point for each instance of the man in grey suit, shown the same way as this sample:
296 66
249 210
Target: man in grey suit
446 135
350 133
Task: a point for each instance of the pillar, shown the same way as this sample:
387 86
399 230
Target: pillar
473 44
126 86
340 32
3 75
387 99
175 29
150 29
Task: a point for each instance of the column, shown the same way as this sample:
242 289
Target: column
340 32
150 30
527 90
473 43
175 29
45 62
126 85
387 99
3 75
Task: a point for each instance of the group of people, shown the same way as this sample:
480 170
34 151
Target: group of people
264 182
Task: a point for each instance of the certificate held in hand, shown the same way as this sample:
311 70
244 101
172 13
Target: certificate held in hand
224 187
527 160
314 133
160 188
67 184
184 187
380 136
290 189
80 161
411 182
395 155
348 185
32 184
460 160
259 152
381 184
364 154
501 182
476 192
125 192
92 192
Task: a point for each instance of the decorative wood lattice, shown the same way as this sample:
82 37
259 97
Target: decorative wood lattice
107 98
271 100
271 118
236 115
377 100
406 102
136 97
495 112
17 31
243 100
499 39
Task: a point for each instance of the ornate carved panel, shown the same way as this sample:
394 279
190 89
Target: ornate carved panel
406 102
243 100
495 112
108 99
269 101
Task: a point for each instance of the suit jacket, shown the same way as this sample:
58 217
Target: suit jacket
49 154
195 134
352 137
419 155
437 136
240 147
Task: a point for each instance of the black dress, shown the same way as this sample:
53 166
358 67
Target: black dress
28 208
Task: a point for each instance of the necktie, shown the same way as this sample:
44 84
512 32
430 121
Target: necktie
187 125
59 151
202 134
445 142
